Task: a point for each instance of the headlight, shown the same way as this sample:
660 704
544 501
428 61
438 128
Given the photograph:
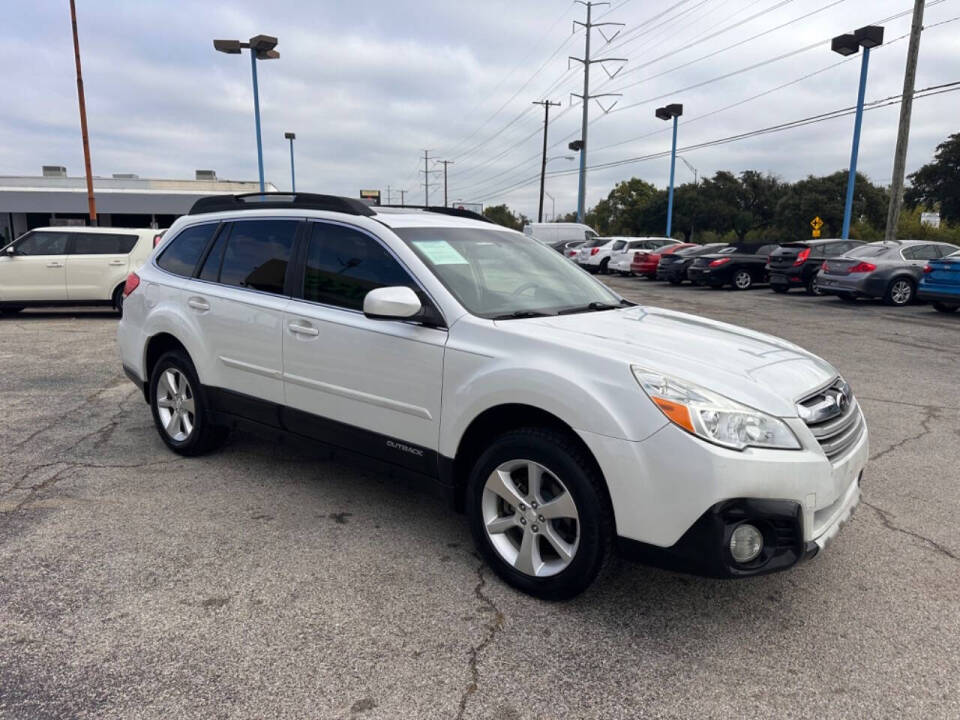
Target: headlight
714 417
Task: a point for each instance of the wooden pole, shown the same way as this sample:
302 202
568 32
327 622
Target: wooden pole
91 201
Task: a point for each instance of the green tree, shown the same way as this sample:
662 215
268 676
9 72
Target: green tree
938 183
502 215
824 197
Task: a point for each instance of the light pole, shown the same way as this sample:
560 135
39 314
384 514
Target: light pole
674 110
866 38
261 48
293 176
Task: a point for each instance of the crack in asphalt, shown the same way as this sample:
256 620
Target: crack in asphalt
474 653
886 518
931 413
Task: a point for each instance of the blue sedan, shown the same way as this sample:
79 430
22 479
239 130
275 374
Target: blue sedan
940 283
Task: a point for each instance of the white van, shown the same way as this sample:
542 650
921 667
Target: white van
71 266
557 234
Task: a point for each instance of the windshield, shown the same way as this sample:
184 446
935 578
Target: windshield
499 273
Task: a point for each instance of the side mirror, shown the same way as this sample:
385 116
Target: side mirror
10 251
391 303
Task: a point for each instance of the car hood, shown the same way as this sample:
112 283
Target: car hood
759 370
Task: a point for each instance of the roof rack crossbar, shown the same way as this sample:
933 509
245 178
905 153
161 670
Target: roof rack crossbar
280 200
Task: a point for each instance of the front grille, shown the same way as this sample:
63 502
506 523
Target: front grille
836 424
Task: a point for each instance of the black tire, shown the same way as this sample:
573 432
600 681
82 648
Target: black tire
565 459
944 307
780 289
204 436
812 288
117 300
741 280
900 292
603 266
847 297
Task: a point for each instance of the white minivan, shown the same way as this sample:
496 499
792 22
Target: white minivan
558 234
71 266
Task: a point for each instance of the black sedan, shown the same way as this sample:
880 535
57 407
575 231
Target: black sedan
795 264
740 268
673 266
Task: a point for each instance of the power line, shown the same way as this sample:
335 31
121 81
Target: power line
790 125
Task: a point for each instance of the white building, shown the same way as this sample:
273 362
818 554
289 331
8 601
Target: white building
124 200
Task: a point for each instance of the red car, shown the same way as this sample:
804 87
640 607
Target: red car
645 262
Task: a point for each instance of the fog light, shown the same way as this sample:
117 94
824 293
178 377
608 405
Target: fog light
745 543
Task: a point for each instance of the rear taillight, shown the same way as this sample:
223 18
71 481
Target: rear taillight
594 251
719 261
132 283
825 267
802 257
927 269
862 267
157 238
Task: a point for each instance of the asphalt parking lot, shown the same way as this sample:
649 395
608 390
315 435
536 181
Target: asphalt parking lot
270 581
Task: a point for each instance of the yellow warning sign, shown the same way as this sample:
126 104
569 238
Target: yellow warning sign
816 224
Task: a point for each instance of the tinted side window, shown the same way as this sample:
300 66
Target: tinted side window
946 250
921 252
257 254
183 252
102 243
834 249
343 265
619 245
43 243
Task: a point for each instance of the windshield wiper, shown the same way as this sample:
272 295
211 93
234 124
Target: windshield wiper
594 306
518 314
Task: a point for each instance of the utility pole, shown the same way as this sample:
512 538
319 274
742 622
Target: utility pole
445 163
91 201
587 61
547 104
903 132
388 194
403 196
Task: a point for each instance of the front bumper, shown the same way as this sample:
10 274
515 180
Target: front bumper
677 498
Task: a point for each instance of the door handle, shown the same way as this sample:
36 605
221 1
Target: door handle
198 304
54 265
299 329
117 262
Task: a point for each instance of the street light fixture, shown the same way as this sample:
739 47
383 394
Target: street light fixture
293 176
866 37
261 48
668 112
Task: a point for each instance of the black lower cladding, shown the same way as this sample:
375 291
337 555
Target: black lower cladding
705 548
413 459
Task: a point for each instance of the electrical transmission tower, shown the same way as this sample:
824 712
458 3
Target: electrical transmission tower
403 197
587 61
426 177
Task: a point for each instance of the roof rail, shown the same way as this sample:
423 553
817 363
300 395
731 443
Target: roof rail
272 200
456 212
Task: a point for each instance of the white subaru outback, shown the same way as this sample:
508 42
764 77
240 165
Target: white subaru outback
564 420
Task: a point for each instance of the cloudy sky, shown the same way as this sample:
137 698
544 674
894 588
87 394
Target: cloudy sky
367 86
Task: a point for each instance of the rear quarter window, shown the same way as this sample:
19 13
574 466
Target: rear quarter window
101 243
182 254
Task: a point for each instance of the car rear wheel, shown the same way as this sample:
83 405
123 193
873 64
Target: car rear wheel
944 307
742 280
813 288
539 514
899 292
604 264
180 410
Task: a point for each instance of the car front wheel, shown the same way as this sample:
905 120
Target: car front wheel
539 514
180 410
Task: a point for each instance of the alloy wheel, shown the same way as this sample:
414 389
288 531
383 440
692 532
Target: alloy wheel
176 405
742 280
530 517
900 292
